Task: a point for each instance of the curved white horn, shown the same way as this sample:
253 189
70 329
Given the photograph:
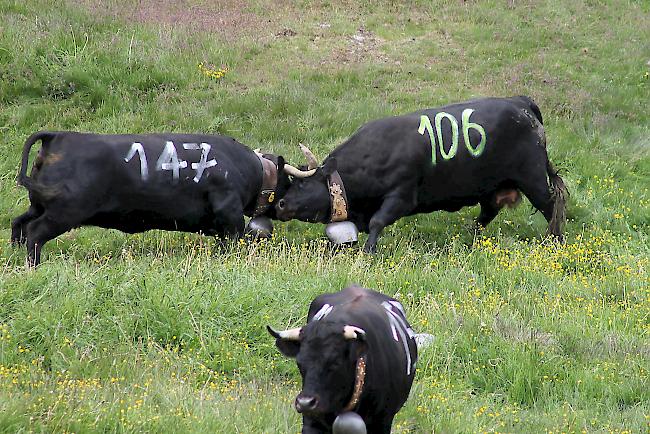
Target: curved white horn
353 332
297 172
289 335
312 162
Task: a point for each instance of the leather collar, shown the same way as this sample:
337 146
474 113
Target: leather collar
359 381
338 198
269 182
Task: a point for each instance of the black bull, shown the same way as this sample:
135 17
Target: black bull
481 151
180 182
342 329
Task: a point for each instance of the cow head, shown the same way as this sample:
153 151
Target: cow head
326 353
308 197
282 185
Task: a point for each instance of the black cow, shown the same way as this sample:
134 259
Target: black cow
481 151
357 353
179 182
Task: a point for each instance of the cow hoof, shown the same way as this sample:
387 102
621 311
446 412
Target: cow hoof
349 423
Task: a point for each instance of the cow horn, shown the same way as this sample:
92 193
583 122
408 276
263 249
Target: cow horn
353 332
290 170
312 162
288 335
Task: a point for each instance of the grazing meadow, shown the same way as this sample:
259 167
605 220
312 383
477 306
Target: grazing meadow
165 332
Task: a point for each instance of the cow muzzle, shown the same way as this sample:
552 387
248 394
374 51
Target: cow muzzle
306 403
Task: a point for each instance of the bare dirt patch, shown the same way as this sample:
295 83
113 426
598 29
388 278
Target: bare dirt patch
229 20
362 46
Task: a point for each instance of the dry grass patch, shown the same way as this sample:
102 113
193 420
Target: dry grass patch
228 20
514 330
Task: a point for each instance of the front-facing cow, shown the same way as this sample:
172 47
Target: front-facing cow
357 353
482 151
180 182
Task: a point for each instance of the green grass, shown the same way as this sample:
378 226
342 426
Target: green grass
165 332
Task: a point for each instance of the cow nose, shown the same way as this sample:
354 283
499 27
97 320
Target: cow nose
281 204
306 403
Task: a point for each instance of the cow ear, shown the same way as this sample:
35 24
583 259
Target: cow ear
288 348
280 163
329 167
286 341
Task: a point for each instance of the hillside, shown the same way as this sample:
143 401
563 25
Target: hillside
165 332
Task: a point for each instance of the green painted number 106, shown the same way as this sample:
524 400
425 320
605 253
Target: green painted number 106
425 125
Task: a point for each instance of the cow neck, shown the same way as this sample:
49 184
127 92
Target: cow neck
359 381
338 198
266 195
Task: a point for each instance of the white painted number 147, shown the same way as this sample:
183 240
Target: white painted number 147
168 159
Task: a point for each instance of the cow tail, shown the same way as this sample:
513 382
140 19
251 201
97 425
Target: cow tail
29 183
41 135
560 195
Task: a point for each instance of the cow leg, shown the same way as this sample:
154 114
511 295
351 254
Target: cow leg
229 215
19 225
380 425
39 232
394 206
488 212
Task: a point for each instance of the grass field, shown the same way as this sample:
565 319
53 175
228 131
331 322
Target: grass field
164 332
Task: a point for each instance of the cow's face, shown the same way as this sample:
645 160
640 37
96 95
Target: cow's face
308 198
326 355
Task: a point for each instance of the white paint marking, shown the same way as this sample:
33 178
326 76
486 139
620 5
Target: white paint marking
204 163
323 312
394 330
137 147
401 320
398 323
399 306
168 160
